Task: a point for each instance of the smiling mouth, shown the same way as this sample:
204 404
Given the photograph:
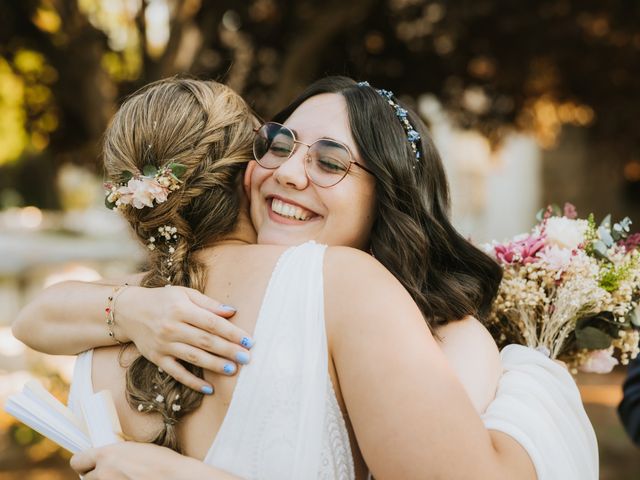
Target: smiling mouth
289 211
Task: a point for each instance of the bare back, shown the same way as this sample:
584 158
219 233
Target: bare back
238 275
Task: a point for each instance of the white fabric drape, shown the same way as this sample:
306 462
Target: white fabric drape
539 405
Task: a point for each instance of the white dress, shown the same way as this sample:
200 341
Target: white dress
284 421
538 404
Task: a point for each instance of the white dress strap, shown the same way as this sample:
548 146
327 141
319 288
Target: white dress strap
275 424
539 405
81 385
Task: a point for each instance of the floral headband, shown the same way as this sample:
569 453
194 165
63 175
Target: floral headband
142 190
413 137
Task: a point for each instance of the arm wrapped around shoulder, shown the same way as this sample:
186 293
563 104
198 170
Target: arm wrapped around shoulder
539 405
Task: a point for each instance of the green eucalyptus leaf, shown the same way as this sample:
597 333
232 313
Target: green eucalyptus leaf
604 321
605 236
617 235
592 338
126 176
540 214
177 169
621 229
556 210
149 171
600 250
108 204
599 317
606 222
633 317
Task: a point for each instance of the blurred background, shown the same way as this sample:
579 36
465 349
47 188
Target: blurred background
530 102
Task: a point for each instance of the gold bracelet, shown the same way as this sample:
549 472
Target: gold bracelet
110 311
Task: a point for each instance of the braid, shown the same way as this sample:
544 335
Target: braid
209 130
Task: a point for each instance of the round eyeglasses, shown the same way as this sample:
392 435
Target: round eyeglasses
326 163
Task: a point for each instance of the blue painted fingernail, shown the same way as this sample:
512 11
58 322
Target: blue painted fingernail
229 368
227 308
242 358
207 390
247 342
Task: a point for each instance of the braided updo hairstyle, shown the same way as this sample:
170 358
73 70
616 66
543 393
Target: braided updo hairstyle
208 128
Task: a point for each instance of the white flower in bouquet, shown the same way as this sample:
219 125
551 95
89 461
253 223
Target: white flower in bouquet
556 258
565 232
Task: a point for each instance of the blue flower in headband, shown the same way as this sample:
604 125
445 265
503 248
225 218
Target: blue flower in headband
413 137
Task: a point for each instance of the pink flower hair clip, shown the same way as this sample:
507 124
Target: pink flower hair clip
142 190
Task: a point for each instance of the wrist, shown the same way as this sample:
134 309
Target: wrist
123 314
182 467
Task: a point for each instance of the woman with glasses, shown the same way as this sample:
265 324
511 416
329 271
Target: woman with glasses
345 164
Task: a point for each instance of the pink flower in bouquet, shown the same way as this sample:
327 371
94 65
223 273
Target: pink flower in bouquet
599 361
141 192
556 258
520 251
570 211
631 242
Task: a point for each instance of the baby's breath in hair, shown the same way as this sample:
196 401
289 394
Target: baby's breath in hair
175 173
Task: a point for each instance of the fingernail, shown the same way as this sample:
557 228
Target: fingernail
229 368
227 308
242 358
207 390
247 342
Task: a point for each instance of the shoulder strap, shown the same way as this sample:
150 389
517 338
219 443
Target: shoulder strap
275 422
81 384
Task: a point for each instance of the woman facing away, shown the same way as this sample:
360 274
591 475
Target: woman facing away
377 343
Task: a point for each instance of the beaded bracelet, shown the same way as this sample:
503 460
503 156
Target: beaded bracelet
110 310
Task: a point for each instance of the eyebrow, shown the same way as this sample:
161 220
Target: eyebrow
297 135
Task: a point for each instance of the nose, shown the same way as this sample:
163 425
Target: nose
291 172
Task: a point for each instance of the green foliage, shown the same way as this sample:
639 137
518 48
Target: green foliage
592 339
149 171
177 169
552 210
611 275
596 332
108 204
598 241
590 235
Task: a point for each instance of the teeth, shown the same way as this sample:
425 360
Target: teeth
289 211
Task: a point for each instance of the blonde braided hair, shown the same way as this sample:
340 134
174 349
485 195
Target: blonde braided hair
208 128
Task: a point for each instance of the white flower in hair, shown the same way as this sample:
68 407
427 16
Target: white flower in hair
142 192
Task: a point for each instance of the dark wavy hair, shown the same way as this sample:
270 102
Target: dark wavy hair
412 235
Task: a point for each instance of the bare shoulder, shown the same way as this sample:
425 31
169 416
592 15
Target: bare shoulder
357 281
348 265
361 294
475 358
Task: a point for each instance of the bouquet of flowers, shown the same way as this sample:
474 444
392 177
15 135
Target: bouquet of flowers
570 289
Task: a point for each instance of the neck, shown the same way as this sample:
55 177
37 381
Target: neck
243 233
